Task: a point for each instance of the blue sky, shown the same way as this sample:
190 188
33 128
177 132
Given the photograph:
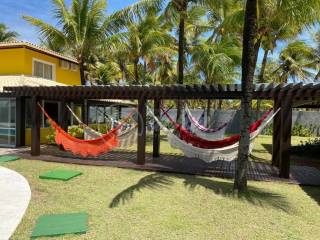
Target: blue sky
12 10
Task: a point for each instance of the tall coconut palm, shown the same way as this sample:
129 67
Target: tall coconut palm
6 35
216 63
80 28
144 39
297 62
175 10
248 69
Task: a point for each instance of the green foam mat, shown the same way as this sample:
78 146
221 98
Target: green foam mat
63 175
60 224
8 158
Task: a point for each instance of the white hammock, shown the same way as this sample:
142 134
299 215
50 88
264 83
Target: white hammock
211 136
126 137
228 153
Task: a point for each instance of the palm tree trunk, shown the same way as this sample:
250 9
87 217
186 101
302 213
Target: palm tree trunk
145 71
317 76
82 73
136 71
220 104
209 113
181 59
261 78
248 68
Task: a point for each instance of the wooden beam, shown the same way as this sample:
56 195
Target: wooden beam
276 134
35 127
20 121
141 151
286 125
156 129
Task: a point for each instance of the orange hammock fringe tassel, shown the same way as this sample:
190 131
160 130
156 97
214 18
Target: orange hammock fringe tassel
85 148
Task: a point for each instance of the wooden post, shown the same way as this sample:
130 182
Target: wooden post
84 112
276 134
141 153
286 125
35 127
156 130
63 115
20 122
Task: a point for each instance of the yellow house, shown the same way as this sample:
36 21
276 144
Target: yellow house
26 64
23 58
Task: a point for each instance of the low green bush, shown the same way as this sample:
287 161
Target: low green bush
310 147
74 131
297 130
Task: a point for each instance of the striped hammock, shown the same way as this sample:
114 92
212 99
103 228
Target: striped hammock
226 153
203 132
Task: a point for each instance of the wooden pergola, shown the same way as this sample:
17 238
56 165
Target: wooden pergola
285 96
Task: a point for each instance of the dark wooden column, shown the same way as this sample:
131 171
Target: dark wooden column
84 111
156 130
119 112
63 115
276 135
286 125
35 127
141 153
20 122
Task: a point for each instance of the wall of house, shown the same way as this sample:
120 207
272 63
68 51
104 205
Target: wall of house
16 61
44 132
12 61
65 76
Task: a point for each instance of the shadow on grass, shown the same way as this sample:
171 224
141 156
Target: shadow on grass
313 192
267 147
255 196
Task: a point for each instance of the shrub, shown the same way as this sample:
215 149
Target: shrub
297 130
307 148
74 131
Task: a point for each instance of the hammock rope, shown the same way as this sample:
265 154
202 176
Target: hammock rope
204 143
85 148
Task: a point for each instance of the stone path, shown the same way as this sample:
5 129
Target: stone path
15 195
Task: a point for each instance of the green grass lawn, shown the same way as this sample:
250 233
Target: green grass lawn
128 204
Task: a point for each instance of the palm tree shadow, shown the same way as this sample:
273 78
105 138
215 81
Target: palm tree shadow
152 181
255 196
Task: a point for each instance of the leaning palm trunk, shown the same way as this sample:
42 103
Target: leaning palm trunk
180 62
248 68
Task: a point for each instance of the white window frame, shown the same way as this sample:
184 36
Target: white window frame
45 62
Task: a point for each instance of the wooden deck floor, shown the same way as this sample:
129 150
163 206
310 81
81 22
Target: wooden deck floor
258 171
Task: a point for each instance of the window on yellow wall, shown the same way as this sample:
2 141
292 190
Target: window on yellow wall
43 69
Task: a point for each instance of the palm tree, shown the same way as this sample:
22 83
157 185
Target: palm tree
174 10
216 63
248 69
297 62
80 29
5 35
144 40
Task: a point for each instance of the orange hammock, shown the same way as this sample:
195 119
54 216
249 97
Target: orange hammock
85 148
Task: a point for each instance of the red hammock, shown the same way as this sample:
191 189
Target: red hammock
81 147
203 143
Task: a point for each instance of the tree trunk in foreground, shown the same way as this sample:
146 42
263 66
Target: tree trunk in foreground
181 60
248 68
